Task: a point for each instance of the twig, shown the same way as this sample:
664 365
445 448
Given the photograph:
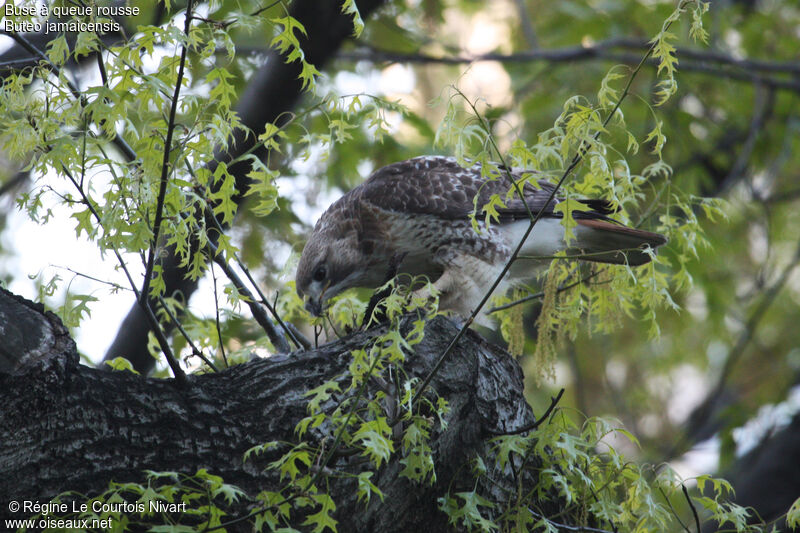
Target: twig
265 8
530 427
540 294
195 350
763 107
162 191
18 64
317 333
704 410
784 196
691 505
299 340
527 27
674 512
225 23
565 527
216 316
116 286
599 49
102 68
19 178
756 316
278 340
377 296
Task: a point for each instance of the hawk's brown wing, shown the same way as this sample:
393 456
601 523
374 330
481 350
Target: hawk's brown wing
436 185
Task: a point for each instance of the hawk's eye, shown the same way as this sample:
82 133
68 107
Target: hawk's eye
320 273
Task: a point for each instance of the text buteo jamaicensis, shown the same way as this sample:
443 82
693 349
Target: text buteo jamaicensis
420 210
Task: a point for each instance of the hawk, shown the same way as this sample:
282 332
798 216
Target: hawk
419 210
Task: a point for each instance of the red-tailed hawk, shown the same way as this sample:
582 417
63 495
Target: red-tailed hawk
420 209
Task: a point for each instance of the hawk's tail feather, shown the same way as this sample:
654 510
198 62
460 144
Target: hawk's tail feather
607 242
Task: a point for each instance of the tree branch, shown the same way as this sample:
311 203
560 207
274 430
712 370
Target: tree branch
278 340
113 425
712 63
535 296
165 165
530 427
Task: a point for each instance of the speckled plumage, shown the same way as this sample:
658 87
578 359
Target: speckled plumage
419 210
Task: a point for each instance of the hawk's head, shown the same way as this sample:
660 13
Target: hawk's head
346 249
326 268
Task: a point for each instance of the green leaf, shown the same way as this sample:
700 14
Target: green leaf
260 448
322 519
271 138
375 437
286 41
658 136
349 8
366 487
664 52
607 96
288 463
309 421
86 43
469 513
75 308
793 516
566 207
222 92
222 199
58 50
320 394
230 493
157 283
509 444
697 32
490 209
85 223
120 363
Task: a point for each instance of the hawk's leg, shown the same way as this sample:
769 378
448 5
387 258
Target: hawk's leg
377 296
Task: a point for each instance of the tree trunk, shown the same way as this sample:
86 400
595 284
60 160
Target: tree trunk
66 426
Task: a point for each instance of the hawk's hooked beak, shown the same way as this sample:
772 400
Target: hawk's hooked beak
313 306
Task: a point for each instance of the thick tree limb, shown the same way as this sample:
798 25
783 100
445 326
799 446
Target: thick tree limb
28 333
66 426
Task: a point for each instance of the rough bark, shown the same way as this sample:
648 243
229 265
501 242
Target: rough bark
66 426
